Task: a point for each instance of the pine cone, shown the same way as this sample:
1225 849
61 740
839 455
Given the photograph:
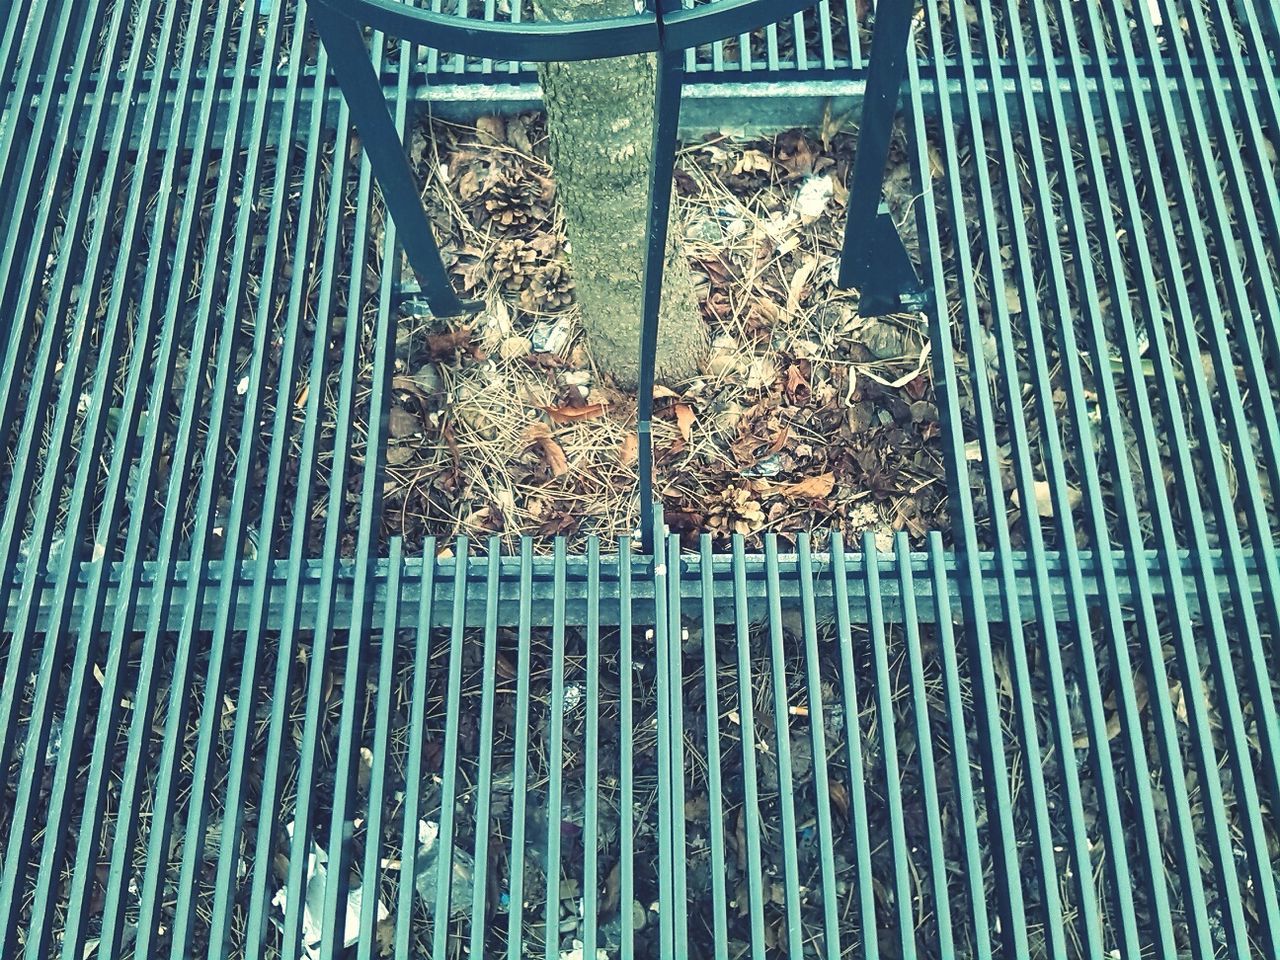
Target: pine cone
515 264
511 207
551 289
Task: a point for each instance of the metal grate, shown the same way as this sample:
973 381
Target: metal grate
1049 730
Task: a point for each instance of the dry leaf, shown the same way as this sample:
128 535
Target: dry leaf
664 393
401 423
575 414
684 419
552 452
629 453
819 486
799 280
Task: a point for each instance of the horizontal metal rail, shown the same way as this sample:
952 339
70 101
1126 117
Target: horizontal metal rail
284 577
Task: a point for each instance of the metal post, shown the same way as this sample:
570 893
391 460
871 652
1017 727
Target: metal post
666 123
874 259
349 60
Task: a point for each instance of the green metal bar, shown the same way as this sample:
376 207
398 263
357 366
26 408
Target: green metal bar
1117 823
924 743
866 903
23 333
966 801
660 635
675 664
822 790
371 870
414 774
341 827
883 684
591 817
1222 853
782 730
1047 877
181 929
441 913
746 714
715 792
161 827
1241 430
519 794
626 740
555 760
484 787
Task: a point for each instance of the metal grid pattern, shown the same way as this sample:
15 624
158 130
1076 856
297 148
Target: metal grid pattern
195 363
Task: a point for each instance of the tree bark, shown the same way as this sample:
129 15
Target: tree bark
600 118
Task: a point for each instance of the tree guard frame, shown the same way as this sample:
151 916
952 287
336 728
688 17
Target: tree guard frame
873 258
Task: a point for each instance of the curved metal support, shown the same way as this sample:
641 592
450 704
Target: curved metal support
536 42
351 65
874 258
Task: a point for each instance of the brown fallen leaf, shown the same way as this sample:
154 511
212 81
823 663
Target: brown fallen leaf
540 434
664 393
629 452
445 344
575 414
819 486
684 420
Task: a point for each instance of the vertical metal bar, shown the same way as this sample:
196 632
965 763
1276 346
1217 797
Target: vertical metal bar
519 808
966 801
1055 468
667 904
382 144
306 456
715 794
862 877
182 474
675 664
591 819
822 791
1024 700
782 730
902 899
371 871
414 762
666 124
480 858
555 758
924 743
441 913
22 332
746 714
626 739
347 758
1074 229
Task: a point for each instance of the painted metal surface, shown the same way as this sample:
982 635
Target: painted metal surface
1049 730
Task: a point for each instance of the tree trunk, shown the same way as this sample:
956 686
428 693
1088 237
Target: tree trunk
600 117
